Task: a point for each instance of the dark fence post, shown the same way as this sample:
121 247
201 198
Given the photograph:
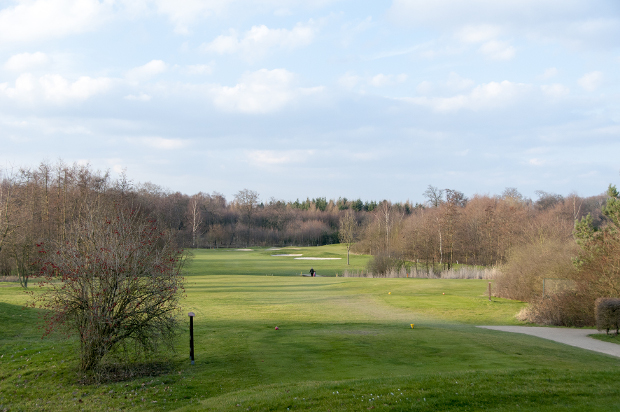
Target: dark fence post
191 336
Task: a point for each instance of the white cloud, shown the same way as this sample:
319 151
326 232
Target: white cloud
458 83
257 41
142 97
26 61
349 80
32 20
536 162
454 84
482 97
478 33
183 13
555 90
498 50
199 69
488 35
581 23
549 73
350 31
424 87
55 88
262 91
118 169
265 158
479 12
147 71
162 143
591 81
381 80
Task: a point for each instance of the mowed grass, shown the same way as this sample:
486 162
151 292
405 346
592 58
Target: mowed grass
261 261
342 344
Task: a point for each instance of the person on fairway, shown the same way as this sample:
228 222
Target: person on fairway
312 272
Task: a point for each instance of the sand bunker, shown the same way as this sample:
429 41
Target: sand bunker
243 250
300 254
316 258
275 248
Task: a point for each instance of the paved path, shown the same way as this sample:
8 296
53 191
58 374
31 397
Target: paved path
572 337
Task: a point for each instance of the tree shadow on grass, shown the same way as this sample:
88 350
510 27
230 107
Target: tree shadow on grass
111 372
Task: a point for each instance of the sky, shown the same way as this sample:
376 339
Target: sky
317 98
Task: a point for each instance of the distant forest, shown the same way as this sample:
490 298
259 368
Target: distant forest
39 203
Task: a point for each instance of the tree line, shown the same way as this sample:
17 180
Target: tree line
40 202
450 228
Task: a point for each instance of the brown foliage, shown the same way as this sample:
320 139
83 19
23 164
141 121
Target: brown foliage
569 308
522 276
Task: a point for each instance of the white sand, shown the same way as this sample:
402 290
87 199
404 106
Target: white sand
316 258
300 254
243 250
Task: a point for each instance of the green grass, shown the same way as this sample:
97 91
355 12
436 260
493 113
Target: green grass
259 261
343 344
612 337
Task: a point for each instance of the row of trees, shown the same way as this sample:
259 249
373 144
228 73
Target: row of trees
482 230
38 203
448 228
562 275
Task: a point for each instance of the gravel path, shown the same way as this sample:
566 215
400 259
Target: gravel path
572 337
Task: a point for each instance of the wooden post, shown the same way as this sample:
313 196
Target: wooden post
191 336
489 291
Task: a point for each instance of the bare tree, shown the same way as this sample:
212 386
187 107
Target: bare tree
8 206
434 196
348 230
547 200
195 216
115 281
247 201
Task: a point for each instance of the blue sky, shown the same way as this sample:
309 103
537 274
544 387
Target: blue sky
308 98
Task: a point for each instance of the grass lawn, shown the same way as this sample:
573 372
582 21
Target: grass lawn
612 337
343 344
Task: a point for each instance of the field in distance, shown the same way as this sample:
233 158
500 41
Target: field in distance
342 344
289 261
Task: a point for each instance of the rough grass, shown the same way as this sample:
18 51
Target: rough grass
342 344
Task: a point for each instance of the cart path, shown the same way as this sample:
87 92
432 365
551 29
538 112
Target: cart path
572 337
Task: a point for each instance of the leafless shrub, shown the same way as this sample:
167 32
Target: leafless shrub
384 266
569 308
608 314
115 282
522 276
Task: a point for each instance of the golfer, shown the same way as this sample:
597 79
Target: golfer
312 272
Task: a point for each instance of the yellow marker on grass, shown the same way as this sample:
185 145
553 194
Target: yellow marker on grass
412 325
